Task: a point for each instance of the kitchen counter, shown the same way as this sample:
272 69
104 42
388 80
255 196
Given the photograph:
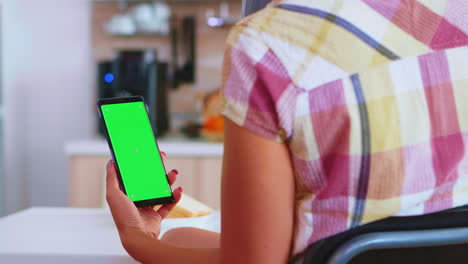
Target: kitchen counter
198 162
174 147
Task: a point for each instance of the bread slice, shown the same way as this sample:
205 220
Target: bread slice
189 207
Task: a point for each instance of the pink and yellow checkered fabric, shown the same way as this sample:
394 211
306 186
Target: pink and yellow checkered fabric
371 98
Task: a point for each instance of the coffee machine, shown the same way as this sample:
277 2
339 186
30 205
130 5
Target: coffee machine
137 72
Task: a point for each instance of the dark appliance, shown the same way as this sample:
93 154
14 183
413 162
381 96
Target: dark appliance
137 72
185 37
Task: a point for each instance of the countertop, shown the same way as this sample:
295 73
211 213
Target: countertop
174 147
73 235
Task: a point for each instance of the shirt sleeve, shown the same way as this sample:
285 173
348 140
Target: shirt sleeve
255 86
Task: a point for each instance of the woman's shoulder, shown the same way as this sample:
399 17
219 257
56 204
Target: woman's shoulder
308 39
318 41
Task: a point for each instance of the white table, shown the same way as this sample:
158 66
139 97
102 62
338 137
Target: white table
71 235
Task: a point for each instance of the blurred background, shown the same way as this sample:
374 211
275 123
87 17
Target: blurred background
58 57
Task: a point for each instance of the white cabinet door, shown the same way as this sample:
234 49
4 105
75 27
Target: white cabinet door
187 173
209 182
86 180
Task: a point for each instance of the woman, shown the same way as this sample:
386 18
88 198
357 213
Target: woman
338 113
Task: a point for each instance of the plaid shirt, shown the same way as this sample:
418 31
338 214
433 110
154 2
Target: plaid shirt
371 98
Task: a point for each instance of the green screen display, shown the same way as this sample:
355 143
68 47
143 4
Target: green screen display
136 151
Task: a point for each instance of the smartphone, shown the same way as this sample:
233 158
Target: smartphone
135 151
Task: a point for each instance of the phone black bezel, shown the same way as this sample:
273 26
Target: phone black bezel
130 99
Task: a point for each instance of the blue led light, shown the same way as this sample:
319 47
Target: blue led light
109 78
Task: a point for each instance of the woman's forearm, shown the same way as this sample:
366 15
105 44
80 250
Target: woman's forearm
156 251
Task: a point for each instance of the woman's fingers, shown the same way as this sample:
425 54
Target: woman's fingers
120 205
112 184
172 176
166 209
113 192
114 195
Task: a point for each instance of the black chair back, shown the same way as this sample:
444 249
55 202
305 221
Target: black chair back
322 251
252 6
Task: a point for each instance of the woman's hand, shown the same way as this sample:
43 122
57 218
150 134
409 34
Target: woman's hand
130 219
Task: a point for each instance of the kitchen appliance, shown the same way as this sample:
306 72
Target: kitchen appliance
185 36
137 72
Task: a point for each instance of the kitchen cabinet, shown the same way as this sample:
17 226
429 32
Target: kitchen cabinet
199 165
